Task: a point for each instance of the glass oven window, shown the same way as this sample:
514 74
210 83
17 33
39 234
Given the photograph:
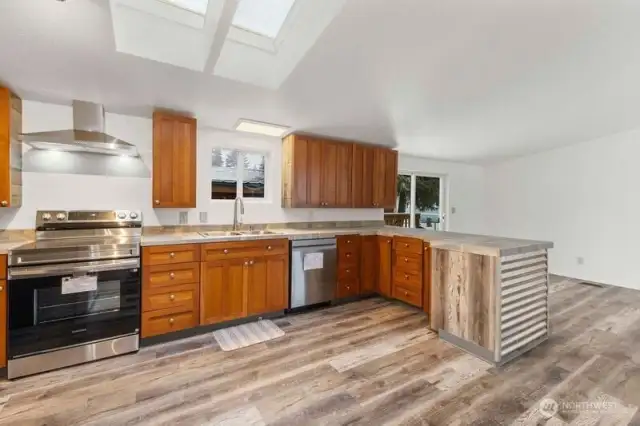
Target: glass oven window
51 305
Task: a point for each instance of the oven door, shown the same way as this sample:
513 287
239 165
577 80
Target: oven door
56 306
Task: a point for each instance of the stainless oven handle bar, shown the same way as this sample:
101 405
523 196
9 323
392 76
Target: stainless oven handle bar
72 268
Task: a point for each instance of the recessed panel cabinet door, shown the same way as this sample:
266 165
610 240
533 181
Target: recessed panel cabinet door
257 287
368 264
329 174
174 161
362 184
390 179
223 290
384 265
344 174
277 283
314 174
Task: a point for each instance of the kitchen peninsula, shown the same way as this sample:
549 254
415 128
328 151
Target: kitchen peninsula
485 294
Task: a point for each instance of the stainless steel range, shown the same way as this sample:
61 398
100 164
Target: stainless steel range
74 294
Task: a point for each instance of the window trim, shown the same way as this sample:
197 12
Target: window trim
239 181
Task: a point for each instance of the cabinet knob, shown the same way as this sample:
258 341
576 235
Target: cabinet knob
246 263
348 270
348 288
348 254
406 293
172 255
172 297
406 260
172 275
157 201
171 320
268 247
251 262
406 277
225 251
1 288
388 241
406 245
4 203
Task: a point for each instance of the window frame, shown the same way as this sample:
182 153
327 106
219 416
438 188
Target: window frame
240 152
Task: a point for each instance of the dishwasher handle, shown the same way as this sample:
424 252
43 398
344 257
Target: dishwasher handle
323 243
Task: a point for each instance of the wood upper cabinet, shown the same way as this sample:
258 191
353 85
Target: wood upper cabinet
223 288
174 161
362 181
385 251
10 149
368 264
385 172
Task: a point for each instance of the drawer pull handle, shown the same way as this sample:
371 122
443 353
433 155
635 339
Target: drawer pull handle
172 255
268 247
172 275
171 320
172 297
225 251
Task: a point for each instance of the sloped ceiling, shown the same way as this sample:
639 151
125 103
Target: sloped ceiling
460 80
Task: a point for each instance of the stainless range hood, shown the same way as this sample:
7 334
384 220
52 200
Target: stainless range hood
87 134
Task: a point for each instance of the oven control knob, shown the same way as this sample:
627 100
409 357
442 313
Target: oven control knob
122 215
61 216
46 216
133 215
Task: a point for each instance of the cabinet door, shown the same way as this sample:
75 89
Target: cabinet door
314 173
294 177
384 265
174 161
426 279
267 284
344 174
390 179
329 174
362 181
257 287
385 170
368 264
223 289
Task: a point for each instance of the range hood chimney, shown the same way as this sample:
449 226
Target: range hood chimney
87 134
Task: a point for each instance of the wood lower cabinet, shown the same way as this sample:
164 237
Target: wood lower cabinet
252 280
426 278
223 290
369 264
407 270
174 161
349 258
385 250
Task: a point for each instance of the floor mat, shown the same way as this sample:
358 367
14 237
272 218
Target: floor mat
245 335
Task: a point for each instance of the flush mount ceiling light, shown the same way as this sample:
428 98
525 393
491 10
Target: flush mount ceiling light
195 6
263 17
268 129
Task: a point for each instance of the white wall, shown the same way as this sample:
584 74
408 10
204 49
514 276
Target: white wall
464 187
74 191
583 197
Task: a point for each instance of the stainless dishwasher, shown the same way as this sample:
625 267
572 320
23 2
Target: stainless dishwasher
313 271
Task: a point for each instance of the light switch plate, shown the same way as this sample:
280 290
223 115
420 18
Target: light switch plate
203 217
183 218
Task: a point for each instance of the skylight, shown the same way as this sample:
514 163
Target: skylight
196 6
264 17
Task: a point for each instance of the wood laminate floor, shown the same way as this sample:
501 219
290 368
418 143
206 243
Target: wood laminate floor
370 363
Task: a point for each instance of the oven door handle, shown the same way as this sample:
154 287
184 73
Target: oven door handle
72 268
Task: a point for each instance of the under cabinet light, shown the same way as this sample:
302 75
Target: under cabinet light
261 128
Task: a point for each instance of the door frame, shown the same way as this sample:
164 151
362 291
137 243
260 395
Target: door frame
444 196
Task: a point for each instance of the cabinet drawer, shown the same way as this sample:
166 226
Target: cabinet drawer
241 249
160 277
349 273
408 262
408 245
166 255
348 257
167 321
182 297
3 266
348 241
407 279
348 288
408 295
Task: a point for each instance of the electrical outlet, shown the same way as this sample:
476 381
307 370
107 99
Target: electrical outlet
203 217
183 218
580 260
453 210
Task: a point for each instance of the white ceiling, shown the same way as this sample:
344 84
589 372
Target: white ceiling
463 80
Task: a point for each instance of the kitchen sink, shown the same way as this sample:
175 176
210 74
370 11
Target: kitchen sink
257 232
213 234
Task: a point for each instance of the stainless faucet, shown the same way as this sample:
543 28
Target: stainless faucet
235 213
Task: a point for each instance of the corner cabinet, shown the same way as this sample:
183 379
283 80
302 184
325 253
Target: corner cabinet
10 149
174 161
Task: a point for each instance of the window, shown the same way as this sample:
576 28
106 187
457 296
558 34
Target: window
263 17
419 200
237 173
